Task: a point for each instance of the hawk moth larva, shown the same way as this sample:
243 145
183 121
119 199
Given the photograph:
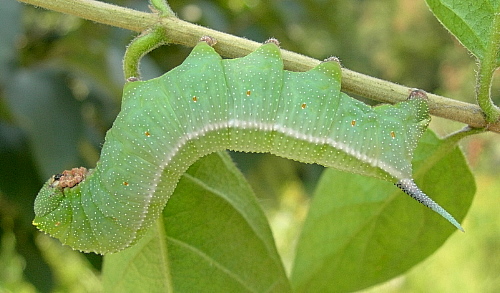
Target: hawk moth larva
208 104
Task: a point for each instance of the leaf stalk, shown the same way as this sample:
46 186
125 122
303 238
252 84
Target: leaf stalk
487 66
140 46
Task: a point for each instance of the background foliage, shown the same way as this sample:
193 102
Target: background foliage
60 85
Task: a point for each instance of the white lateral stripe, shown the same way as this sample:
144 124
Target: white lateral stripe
241 124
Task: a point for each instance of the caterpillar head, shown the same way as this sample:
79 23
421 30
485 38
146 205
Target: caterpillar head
50 202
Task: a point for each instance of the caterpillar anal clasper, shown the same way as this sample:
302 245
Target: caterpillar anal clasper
209 104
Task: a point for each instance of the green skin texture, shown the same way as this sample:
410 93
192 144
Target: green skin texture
208 104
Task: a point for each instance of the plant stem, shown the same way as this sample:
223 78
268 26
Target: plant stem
162 7
448 144
487 67
100 12
140 46
188 34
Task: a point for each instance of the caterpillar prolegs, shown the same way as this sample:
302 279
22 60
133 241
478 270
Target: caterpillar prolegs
207 104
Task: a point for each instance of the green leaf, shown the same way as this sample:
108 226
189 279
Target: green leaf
472 22
212 237
362 231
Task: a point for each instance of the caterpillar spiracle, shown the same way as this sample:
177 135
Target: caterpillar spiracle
208 104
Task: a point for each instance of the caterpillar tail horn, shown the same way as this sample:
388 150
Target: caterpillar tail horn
410 188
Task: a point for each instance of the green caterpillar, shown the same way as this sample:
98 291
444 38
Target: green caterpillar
209 104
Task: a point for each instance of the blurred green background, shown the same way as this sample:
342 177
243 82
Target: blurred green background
60 88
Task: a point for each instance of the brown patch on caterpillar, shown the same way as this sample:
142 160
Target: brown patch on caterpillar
147 133
272 40
393 134
125 183
209 40
68 178
303 106
353 123
195 99
249 92
418 94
